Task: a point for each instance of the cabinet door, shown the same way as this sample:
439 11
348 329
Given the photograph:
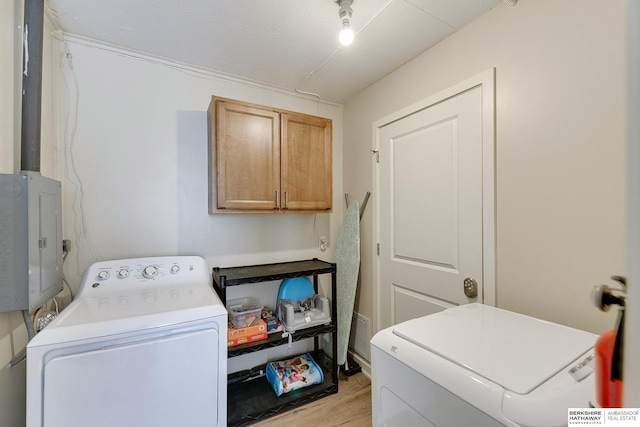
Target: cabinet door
247 158
306 163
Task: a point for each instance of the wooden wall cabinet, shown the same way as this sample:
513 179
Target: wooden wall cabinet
266 160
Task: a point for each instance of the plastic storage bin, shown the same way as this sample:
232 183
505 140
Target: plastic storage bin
244 312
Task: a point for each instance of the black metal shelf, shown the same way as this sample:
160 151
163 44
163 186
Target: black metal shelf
254 400
233 276
251 401
276 339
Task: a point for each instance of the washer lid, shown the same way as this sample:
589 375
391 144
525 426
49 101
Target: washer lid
514 351
89 317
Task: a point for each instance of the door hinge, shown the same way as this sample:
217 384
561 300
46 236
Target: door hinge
378 248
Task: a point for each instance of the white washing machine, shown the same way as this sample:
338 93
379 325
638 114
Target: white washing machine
476 365
144 344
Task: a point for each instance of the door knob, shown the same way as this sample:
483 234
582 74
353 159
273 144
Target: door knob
470 287
603 296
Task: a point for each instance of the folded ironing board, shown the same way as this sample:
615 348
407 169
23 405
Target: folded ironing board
348 266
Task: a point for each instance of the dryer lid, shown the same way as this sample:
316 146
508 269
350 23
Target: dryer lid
514 351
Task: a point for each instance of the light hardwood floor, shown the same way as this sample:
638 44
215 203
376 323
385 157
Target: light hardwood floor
350 407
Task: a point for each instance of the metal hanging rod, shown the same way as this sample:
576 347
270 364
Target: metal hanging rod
363 206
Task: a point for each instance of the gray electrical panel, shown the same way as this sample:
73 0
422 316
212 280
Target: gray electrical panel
30 240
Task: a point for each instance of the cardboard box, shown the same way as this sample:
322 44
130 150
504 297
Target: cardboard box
273 325
237 336
246 340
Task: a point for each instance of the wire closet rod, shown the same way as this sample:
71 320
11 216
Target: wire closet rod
363 206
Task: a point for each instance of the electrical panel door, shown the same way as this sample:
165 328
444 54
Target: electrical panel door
30 240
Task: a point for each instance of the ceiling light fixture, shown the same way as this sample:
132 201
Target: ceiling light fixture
345 12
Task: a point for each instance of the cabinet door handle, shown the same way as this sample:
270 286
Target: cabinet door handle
277 200
286 199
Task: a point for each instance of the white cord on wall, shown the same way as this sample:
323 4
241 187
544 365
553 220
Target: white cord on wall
71 125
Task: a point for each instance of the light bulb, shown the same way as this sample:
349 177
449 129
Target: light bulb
345 13
346 36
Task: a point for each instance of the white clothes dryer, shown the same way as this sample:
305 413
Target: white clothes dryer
477 365
142 345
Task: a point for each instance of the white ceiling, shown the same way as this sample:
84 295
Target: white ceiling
289 44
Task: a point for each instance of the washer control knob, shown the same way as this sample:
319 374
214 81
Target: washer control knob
123 273
103 275
175 269
150 271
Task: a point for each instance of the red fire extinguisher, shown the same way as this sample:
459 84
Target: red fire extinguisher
609 349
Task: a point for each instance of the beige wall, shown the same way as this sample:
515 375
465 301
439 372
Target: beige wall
137 180
560 148
8 34
632 337
13 334
12 387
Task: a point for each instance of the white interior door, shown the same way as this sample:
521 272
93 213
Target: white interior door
431 223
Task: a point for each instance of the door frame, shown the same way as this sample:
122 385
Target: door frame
485 80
